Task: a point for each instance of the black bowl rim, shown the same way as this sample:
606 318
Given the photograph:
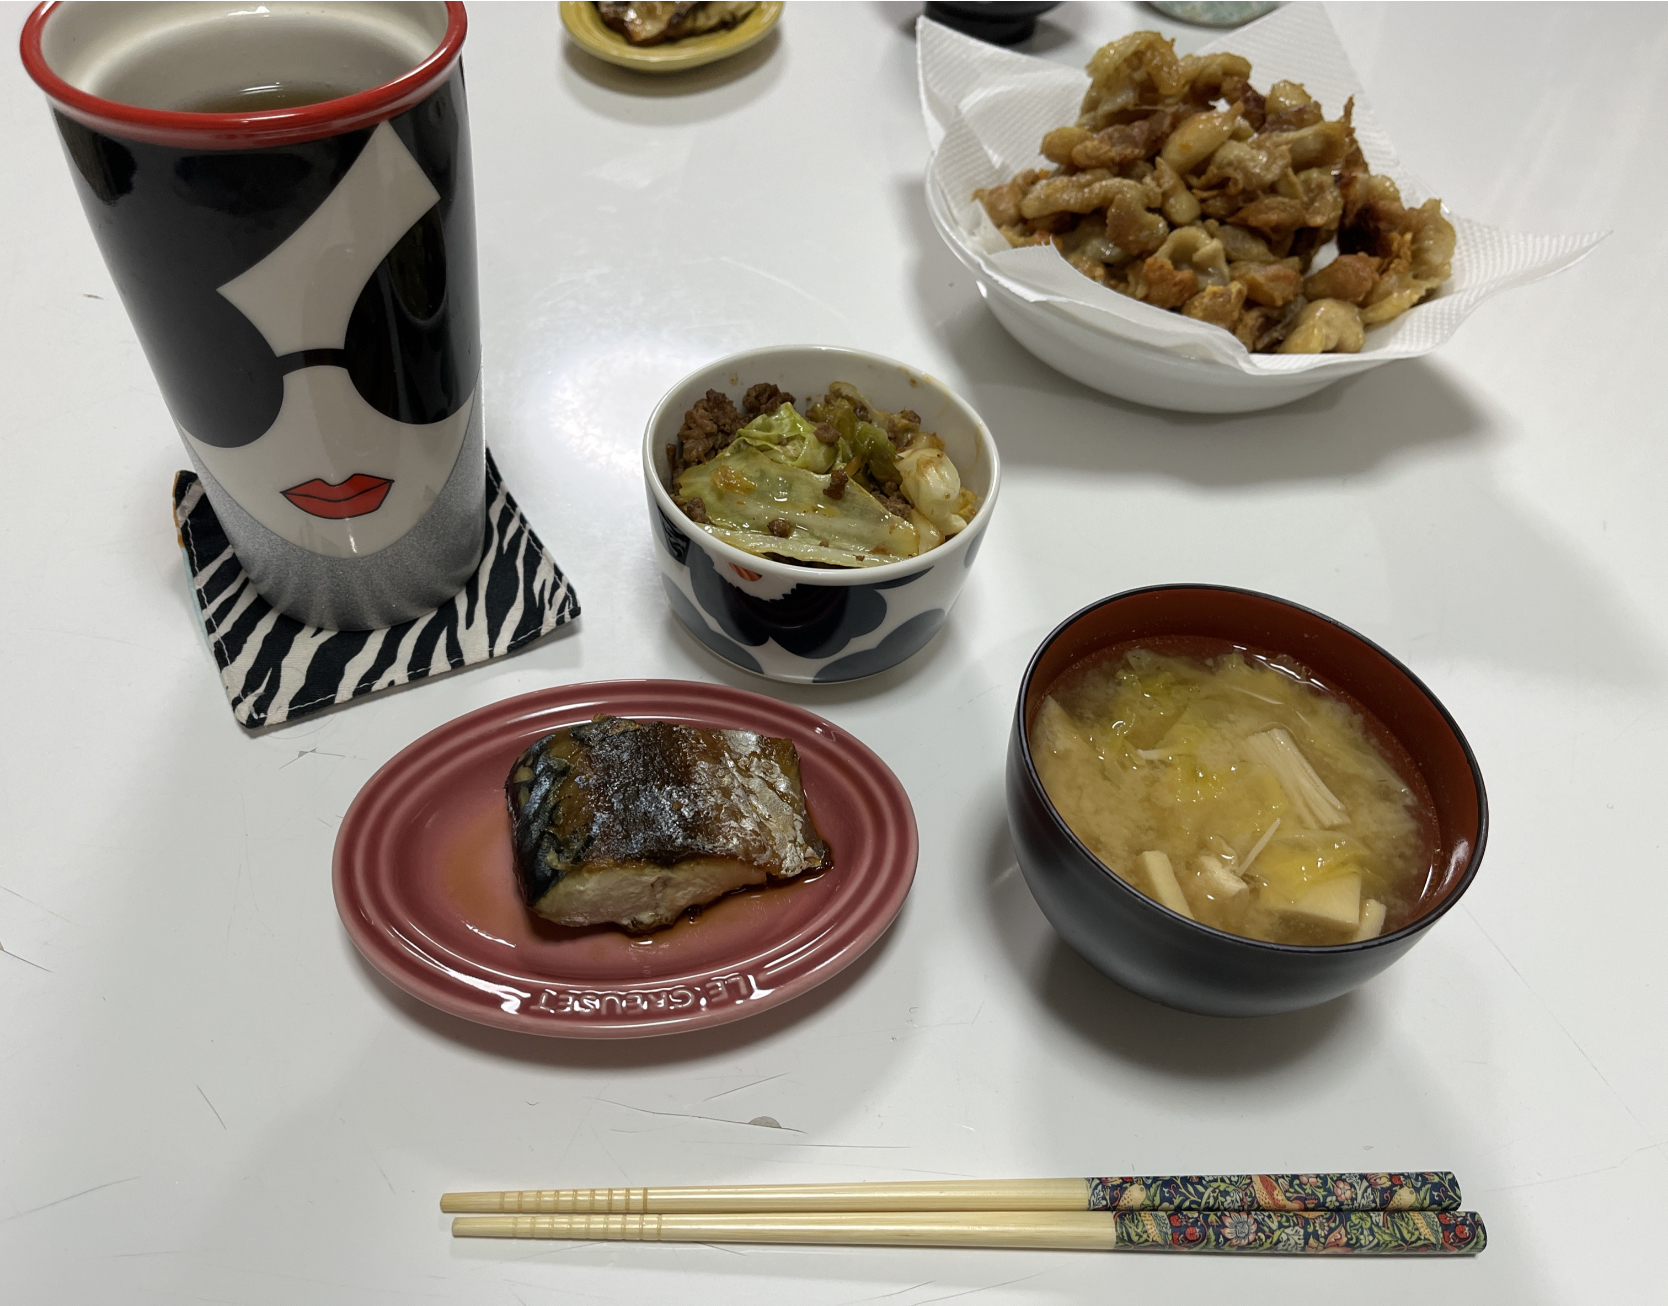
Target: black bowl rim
1414 927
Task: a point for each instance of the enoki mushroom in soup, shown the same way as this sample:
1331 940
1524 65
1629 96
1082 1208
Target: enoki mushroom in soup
1183 186
1236 790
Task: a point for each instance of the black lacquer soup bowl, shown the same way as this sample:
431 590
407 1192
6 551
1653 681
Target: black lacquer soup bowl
1166 956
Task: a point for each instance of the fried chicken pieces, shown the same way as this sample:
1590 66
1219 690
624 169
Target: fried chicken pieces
1183 186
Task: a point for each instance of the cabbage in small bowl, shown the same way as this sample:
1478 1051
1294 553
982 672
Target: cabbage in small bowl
845 484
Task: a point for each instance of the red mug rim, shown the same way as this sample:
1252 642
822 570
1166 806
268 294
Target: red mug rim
230 131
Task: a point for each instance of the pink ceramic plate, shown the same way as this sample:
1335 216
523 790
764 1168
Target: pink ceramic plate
426 886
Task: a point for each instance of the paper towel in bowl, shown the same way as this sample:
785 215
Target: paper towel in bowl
987 111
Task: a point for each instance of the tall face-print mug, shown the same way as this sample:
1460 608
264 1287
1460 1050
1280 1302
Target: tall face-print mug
282 193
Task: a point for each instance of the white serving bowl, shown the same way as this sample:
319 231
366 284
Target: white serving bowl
1122 365
1128 369
815 624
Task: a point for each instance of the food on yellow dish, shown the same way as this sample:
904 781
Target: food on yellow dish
635 822
844 485
1236 791
650 22
1184 186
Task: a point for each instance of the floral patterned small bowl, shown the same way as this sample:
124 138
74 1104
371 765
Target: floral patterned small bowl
814 624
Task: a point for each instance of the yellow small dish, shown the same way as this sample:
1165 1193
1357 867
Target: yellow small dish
586 27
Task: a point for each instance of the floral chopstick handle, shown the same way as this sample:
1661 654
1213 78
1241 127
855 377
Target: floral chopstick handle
1364 1233
1428 1190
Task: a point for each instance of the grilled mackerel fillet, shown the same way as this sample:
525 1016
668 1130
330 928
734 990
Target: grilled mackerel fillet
635 822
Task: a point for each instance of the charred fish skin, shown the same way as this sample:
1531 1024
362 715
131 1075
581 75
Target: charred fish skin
634 822
542 855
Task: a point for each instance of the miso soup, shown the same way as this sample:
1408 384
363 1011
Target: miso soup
1238 790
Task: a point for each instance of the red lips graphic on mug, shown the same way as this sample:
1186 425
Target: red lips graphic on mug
355 497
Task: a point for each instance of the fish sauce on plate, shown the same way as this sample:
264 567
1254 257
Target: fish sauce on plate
1237 789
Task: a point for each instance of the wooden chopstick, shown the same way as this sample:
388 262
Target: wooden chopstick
1406 1191
1323 1232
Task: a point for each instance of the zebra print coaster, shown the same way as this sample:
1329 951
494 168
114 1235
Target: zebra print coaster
276 669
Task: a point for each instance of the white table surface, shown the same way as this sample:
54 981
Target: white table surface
206 1096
